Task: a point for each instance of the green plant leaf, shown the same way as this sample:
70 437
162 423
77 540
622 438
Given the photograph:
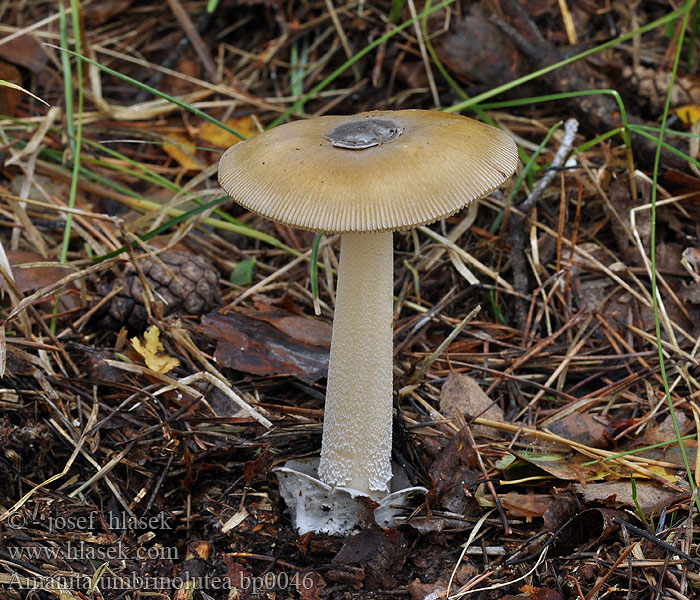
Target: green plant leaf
242 273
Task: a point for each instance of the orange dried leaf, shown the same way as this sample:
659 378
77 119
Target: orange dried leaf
220 138
182 151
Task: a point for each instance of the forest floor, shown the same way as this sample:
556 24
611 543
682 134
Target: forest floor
556 432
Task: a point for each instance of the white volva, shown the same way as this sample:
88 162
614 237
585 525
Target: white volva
356 450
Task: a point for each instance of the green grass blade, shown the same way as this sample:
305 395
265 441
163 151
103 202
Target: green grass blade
299 104
313 266
480 98
163 228
566 96
152 90
686 10
644 132
74 134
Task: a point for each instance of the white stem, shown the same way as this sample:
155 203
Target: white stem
356 449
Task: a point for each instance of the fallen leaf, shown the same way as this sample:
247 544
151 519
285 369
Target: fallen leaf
525 505
310 585
10 89
562 506
673 453
585 530
152 352
454 473
185 151
665 431
300 327
242 273
652 498
538 593
554 464
33 277
26 52
248 342
98 13
581 428
420 591
220 138
441 574
380 553
182 151
253 468
462 395
688 114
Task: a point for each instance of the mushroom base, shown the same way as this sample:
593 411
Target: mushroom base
321 508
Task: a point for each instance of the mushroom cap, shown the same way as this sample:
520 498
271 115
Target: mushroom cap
374 171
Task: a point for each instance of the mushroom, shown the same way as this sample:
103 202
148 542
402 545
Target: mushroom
365 176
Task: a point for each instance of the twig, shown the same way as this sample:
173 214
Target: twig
441 348
516 235
171 60
656 540
567 142
193 36
489 484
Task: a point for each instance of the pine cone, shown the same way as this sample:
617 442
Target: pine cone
652 87
194 290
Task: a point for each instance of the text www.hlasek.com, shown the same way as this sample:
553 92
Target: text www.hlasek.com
82 551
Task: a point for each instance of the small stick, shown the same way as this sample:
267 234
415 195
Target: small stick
440 349
516 235
570 129
342 37
655 540
605 577
489 484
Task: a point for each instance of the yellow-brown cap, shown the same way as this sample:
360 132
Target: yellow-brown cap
374 171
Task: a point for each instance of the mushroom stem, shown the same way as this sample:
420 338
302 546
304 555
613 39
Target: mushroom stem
356 449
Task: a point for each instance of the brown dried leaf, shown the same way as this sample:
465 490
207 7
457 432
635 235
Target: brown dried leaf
525 505
34 277
585 530
581 428
98 13
420 591
538 593
665 431
478 52
651 497
310 585
253 468
453 471
299 327
248 343
9 96
462 395
26 52
380 553
560 509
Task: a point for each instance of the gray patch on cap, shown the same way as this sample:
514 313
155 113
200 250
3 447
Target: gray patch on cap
358 135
